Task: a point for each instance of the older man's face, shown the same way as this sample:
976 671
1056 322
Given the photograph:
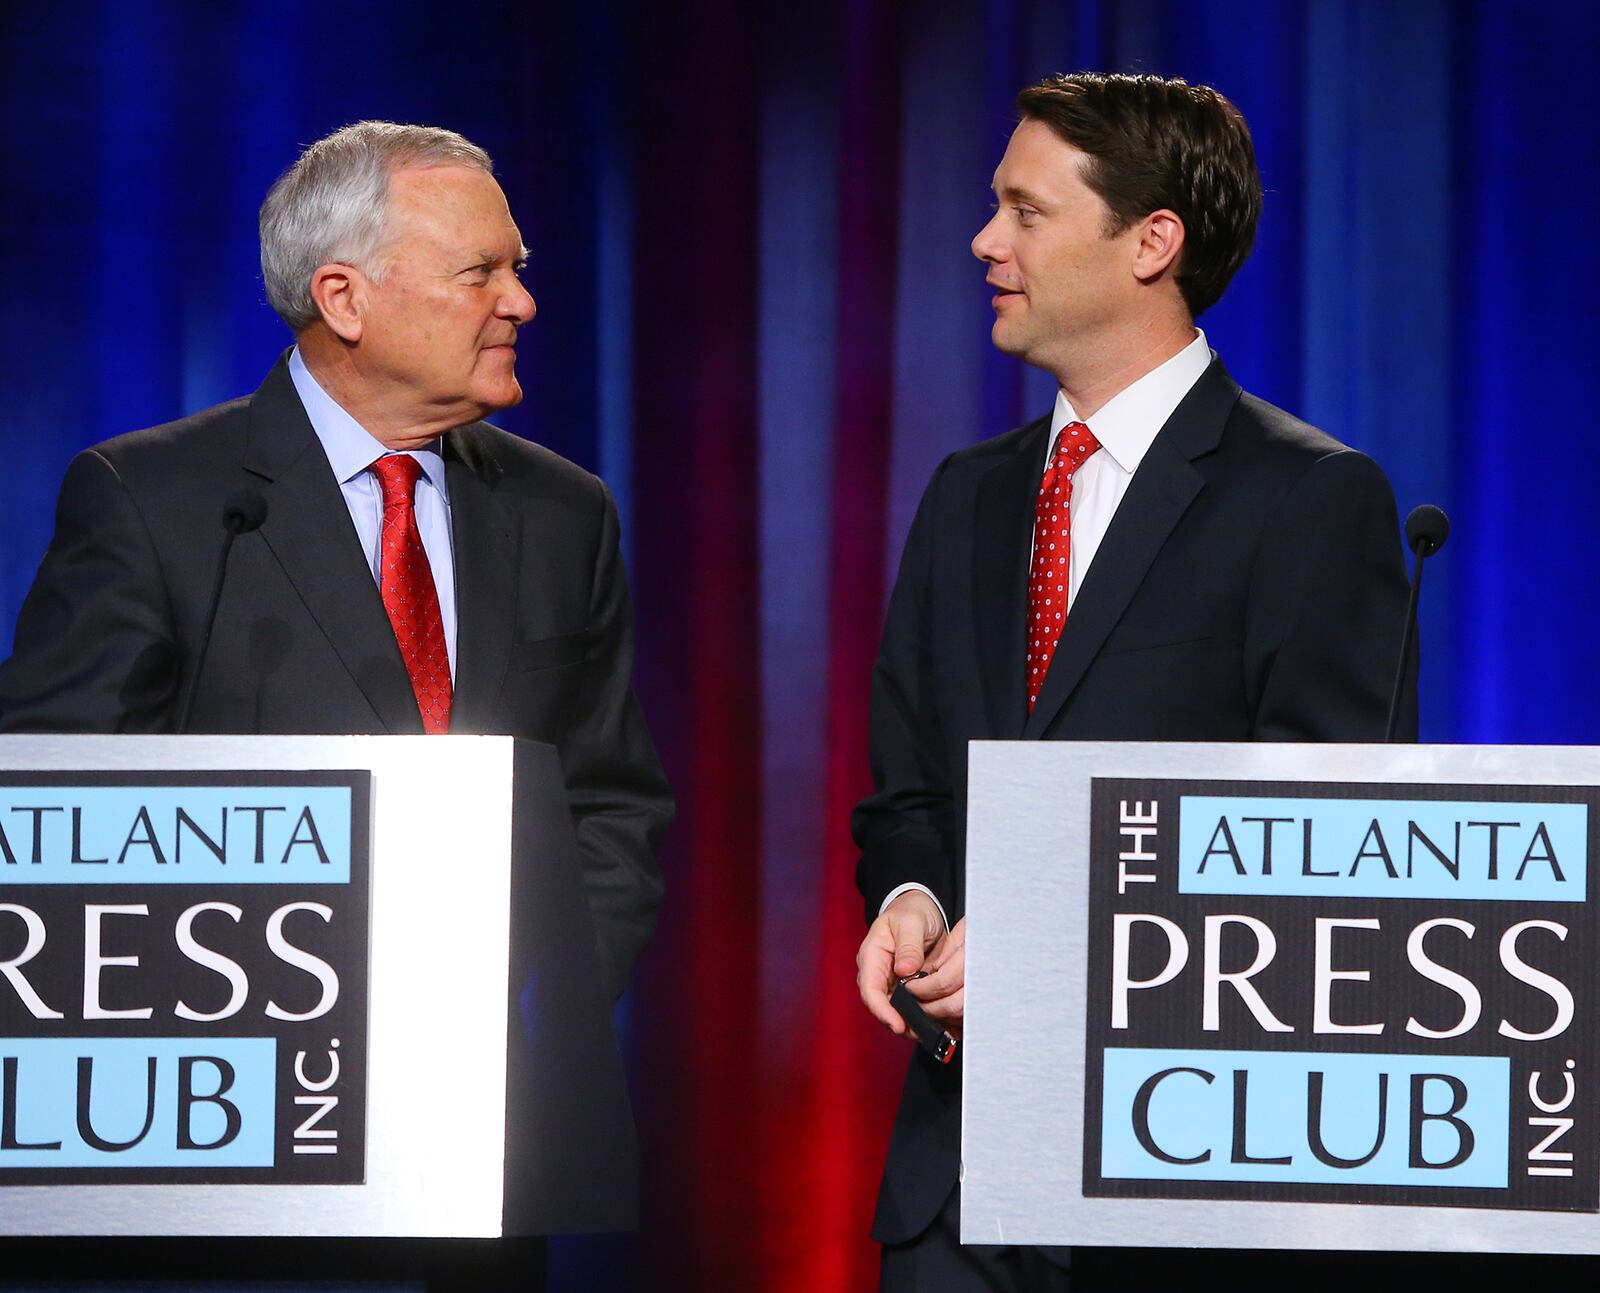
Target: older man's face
439 329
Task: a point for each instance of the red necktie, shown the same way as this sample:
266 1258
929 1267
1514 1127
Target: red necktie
1052 551
409 596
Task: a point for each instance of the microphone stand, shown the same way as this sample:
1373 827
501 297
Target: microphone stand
244 511
1426 530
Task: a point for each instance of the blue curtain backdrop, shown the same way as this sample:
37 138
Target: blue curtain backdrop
760 321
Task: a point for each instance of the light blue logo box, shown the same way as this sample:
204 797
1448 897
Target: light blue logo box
47 1094
108 815
1341 828
1189 1116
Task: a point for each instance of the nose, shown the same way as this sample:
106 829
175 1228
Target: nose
986 243
517 304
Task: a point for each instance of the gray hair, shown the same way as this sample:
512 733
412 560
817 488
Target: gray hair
332 205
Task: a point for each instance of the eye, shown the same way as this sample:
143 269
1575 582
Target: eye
1026 216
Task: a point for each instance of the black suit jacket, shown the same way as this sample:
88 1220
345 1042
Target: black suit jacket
1251 586
107 637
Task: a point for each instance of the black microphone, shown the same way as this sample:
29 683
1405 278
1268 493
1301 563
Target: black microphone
244 511
1426 530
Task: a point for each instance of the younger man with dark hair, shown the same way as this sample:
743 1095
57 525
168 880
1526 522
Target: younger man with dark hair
1163 557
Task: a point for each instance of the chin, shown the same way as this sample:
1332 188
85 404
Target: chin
500 397
1007 342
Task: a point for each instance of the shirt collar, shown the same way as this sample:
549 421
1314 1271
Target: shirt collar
1128 424
350 447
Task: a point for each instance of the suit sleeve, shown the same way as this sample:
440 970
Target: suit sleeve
94 648
1327 609
621 803
905 827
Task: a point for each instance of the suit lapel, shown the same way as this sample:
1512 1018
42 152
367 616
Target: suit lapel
1161 491
486 538
309 532
1004 533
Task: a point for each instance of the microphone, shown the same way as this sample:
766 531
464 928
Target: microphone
244 511
1426 530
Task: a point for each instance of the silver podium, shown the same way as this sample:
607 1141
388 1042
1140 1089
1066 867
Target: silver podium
300 986
1261 996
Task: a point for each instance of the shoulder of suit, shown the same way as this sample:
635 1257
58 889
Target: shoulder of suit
1268 427
216 433
1272 453
520 463
986 453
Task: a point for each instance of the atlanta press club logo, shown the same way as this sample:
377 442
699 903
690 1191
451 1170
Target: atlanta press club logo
183 991
1323 992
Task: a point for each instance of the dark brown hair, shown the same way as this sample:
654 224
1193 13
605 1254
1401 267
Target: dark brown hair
1155 143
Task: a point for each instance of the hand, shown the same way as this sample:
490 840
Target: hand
895 948
943 990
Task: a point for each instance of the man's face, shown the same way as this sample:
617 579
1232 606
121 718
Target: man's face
439 327
1059 280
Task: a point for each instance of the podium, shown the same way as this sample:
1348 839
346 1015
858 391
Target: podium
321 987
1260 996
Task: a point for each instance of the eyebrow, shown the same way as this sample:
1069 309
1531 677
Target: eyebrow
495 257
1013 194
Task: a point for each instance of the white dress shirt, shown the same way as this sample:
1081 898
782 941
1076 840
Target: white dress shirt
351 450
1126 427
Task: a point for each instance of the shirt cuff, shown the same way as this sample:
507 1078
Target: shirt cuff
919 888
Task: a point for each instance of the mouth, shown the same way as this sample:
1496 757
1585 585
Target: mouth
1002 292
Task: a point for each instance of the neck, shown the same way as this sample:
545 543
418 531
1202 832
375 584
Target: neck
334 366
1093 379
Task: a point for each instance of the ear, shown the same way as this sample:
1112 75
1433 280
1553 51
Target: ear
1160 240
340 294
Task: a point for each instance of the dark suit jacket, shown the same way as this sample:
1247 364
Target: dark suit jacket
1251 587
107 637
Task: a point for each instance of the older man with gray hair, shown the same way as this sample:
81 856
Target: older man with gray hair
417 570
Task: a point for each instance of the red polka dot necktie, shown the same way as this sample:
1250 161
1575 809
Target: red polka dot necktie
1048 580
405 581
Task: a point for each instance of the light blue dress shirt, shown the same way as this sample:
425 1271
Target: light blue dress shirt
351 450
